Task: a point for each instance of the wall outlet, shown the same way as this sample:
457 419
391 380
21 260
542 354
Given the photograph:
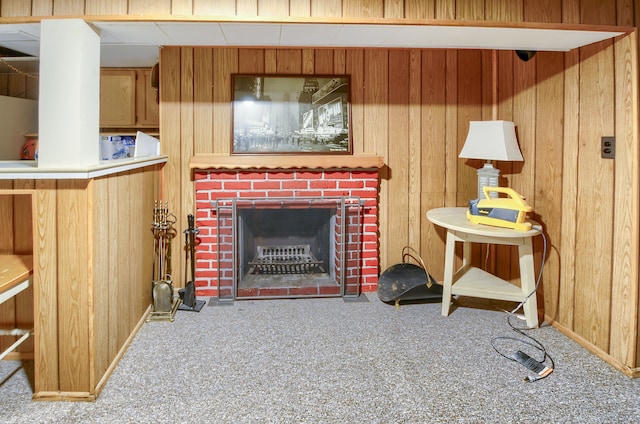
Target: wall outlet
608 147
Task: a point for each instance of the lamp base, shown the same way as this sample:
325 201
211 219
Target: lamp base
487 176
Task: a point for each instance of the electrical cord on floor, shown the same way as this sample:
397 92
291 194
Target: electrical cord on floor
538 366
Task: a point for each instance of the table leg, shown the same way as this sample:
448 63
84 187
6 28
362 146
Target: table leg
528 282
449 265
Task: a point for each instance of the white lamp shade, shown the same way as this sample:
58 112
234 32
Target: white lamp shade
491 140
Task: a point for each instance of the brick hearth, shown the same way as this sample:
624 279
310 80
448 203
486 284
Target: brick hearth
217 184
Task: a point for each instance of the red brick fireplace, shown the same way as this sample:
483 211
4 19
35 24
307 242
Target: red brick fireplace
352 191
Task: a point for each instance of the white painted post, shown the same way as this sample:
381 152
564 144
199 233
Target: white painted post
69 109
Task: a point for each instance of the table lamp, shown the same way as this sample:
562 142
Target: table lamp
490 140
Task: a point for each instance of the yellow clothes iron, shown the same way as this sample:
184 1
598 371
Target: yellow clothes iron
506 212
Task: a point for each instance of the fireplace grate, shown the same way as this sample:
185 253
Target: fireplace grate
294 259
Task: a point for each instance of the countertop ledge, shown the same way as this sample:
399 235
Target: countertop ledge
28 170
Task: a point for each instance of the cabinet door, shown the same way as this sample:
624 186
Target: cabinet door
146 100
117 98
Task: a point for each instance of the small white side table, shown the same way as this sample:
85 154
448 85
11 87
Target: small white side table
471 281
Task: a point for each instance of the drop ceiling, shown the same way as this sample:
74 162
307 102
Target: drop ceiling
137 44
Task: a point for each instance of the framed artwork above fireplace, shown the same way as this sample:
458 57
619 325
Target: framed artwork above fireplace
307 114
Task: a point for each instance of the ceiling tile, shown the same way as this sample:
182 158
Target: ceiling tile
364 35
131 33
250 34
309 35
193 34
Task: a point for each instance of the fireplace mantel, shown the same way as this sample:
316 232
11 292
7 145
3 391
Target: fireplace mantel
279 162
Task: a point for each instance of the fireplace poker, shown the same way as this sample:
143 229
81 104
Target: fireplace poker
188 294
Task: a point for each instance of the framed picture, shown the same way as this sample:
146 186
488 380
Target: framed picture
291 114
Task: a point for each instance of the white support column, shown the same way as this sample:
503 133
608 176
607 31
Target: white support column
69 109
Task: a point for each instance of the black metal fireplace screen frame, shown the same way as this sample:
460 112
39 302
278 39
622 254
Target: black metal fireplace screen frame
349 230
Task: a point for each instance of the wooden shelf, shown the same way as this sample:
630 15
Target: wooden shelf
242 162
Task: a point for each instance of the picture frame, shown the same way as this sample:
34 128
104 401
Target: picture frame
284 114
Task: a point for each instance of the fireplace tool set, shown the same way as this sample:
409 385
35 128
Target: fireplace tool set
188 294
165 303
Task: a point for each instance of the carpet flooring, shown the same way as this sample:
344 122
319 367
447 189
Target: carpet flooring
330 361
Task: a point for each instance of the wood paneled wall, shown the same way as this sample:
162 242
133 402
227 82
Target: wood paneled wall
93 256
413 107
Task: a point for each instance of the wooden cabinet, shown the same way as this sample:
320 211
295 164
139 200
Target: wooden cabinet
127 99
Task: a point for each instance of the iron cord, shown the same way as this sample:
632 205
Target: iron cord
526 339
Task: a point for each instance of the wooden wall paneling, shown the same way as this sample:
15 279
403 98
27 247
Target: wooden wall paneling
41 7
208 7
68 7
103 276
433 156
74 282
136 285
488 60
15 8
624 279
469 9
354 67
273 7
308 61
548 156
323 61
203 100
188 7
246 7
567 247
598 12
362 8
327 8
6 218
170 133
121 234
394 9
270 61
250 61
340 61
4 88
570 14
549 11
300 8
112 258
226 63
469 108
451 130
420 9
117 7
520 175
625 13
17 86
376 133
289 61
144 274
398 157
503 11
45 289
186 201
149 7
445 9
548 160
415 150
595 196
502 105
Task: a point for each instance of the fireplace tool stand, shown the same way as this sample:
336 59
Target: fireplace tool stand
188 294
165 303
